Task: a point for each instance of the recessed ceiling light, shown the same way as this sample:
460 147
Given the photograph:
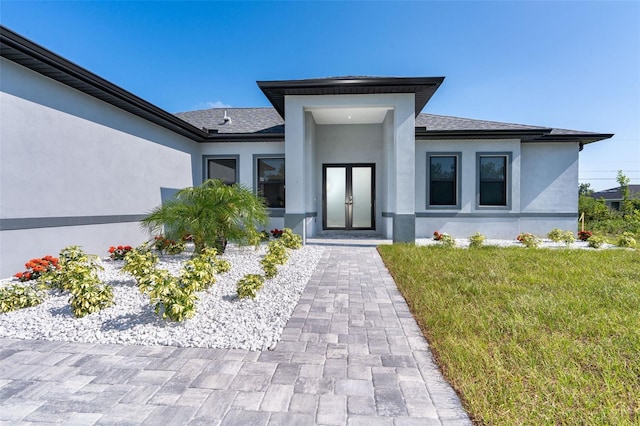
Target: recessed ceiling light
349 117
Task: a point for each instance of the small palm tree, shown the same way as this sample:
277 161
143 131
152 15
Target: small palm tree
212 213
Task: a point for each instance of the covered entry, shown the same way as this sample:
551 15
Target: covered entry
336 130
348 196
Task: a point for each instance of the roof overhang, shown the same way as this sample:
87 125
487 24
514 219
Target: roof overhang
35 57
541 135
422 87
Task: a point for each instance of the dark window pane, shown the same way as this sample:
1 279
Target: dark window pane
271 181
442 180
223 169
493 181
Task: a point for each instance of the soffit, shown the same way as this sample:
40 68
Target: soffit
422 87
349 115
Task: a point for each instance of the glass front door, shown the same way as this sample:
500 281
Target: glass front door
349 196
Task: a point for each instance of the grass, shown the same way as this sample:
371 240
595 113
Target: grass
530 336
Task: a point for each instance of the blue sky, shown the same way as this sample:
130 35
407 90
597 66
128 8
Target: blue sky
572 65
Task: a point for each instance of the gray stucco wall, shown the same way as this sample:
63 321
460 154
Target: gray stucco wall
542 190
76 170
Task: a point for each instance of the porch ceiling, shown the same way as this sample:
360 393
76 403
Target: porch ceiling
349 115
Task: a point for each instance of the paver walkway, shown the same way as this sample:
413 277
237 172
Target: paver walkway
351 354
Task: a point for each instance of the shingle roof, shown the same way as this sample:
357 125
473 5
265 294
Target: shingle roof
616 193
444 122
267 120
242 120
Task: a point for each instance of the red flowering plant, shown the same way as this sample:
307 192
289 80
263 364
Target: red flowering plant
119 252
36 267
165 245
277 233
445 239
584 235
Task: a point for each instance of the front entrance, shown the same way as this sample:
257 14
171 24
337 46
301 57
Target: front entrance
348 198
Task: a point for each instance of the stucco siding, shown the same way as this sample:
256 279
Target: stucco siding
67 155
467 150
550 177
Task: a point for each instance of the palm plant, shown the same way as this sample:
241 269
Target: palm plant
212 213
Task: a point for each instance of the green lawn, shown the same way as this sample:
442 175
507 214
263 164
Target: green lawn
530 336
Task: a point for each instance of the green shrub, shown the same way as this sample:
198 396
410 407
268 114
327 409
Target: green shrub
19 296
476 240
199 273
626 240
529 240
222 265
270 269
555 235
78 274
88 297
291 240
141 264
174 298
595 241
445 239
171 298
277 252
249 285
568 238
558 235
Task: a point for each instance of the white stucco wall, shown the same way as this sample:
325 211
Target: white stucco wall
64 154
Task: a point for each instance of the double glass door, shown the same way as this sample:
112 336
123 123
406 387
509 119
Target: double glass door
348 196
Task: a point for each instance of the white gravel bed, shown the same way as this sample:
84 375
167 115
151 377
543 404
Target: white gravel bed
545 243
222 320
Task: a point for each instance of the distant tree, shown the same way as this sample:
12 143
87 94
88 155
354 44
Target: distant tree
594 210
585 189
626 207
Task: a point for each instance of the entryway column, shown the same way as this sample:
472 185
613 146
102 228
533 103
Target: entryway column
294 154
404 150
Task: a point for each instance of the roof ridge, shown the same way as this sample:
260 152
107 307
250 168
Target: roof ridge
222 109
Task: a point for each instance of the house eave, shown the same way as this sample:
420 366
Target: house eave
542 135
36 58
582 138
524 135
422 87
244 137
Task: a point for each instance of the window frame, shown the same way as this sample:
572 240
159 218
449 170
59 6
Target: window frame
274 211
205 165
458 178
508 184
